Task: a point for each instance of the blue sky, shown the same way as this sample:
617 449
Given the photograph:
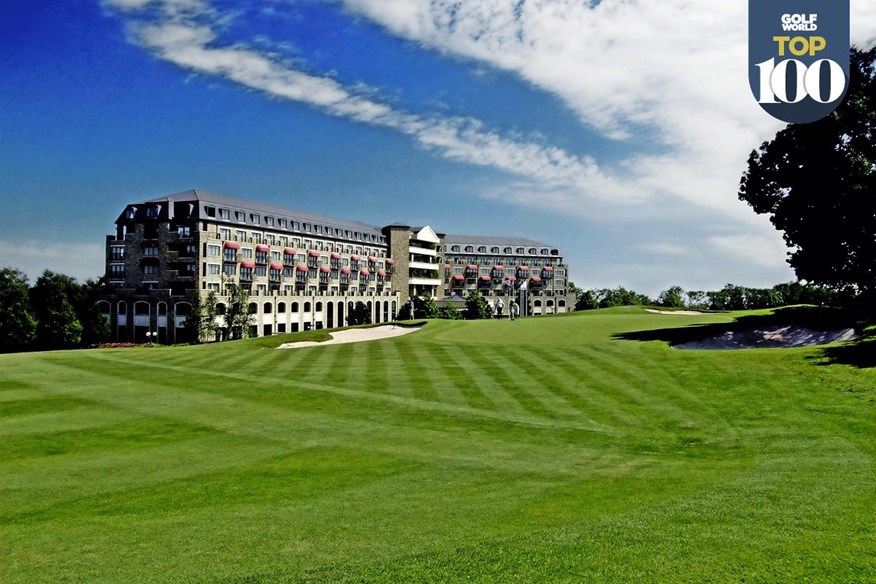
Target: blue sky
615 130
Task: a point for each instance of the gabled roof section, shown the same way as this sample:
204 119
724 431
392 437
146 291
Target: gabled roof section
426 233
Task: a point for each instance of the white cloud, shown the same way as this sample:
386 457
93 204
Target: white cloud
675 70
79 260
190 44
764 251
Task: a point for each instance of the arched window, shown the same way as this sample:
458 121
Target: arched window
162 309
123 307
182 308
295 307
253 308
268 308
220 309
141 308
281 307
319 306
307 307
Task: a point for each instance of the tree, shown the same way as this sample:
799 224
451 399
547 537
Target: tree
17 323
476 306
427 307
237 317
672 298
201 323
587 300
58 326
449 312
359 315
84 298
817 182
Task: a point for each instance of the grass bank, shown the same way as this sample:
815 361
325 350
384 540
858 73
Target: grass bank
564 449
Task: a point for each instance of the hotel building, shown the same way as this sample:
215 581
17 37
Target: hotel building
302 270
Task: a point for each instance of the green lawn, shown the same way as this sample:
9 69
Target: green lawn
563 449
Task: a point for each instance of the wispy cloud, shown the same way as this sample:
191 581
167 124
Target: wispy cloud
669 73
675 69
176 31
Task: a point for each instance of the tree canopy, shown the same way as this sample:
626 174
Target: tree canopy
817 182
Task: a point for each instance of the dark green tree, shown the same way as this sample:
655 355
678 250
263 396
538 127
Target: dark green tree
672 298
450 312
817 182
476 306
17 323
426 307
359 315
95 326
237 316
58 326
587 300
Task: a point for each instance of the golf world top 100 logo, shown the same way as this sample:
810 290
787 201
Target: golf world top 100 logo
798 52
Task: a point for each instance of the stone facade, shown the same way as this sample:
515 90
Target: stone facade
300 270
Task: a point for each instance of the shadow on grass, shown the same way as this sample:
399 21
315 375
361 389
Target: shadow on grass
861 353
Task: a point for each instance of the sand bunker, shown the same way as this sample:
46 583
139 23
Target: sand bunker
355 336
784 336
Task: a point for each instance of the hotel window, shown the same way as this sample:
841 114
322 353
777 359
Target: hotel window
184 231
494 249
256 237
224 214
212 269
224 233
275 256
519 250
269 221
482 249
454 248
213 286
507 250
153 211
230 255
282 223
117 253
284 241
240 215
261 271
240 234
319 229
229 269
269 238
532 251
245 273
117 270
246 253
296 226
151 251
261 257
150 270
308 228
212 250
